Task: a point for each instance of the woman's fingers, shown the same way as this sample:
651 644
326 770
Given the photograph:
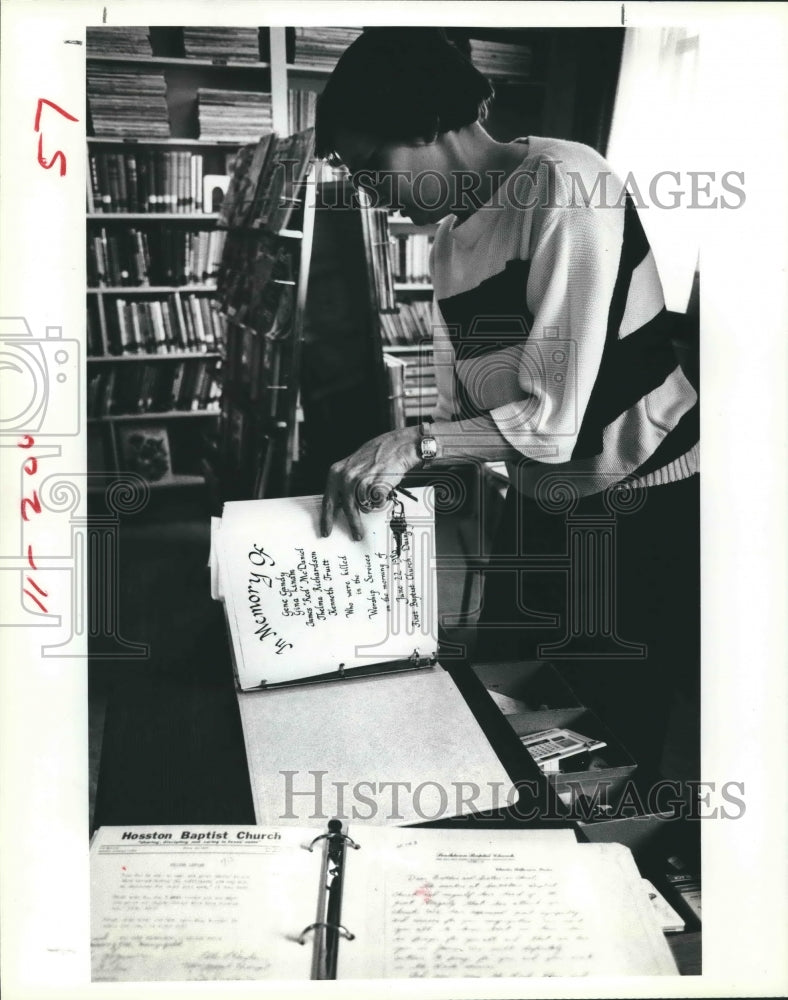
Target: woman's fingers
330 497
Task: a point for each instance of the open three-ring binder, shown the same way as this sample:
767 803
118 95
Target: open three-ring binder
334 645
257 903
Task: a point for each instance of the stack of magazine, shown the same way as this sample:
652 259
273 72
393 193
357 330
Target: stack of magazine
233 114
128 103
225 44
125 41
322 46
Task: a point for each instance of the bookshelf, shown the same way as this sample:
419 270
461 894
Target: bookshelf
158 339
398 267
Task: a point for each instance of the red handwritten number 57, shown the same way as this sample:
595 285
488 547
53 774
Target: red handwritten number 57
58 154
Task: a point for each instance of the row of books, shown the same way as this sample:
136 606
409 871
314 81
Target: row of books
168 325
148 180
240 115
256 285
421 396
124 103
301 105
411 324
411 258
500 58
266 182
226 44
166 255
381 247
412 391
109 40
322 46
193 384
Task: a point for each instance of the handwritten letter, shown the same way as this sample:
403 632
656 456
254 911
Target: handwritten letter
169 907
469 904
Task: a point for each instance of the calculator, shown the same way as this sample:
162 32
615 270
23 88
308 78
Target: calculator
553 744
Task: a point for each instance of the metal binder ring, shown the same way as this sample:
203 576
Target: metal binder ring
335 836
337 927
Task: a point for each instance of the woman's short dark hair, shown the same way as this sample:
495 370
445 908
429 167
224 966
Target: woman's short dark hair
400 84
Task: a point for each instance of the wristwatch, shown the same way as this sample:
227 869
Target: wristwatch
427 446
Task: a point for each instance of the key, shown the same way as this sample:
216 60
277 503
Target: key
399 526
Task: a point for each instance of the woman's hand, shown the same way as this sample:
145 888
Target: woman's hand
364 480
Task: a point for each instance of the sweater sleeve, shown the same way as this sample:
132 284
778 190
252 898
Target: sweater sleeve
574 251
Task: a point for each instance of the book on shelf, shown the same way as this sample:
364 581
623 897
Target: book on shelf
237 115
95 343
301 107
412 258
382 253
173 324
409 323
395 384
126 103
134 257
192 384
222 44
146 181
338 902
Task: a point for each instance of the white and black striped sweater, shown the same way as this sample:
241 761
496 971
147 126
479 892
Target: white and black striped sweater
550 317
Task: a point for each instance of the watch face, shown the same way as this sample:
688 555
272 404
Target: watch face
428 448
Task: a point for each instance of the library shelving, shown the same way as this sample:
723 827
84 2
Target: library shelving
159 165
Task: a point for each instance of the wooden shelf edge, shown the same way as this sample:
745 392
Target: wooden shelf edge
114 418
151 216
133 142
148 289
169 356
179 62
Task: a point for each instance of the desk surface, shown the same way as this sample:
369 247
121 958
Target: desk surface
173 752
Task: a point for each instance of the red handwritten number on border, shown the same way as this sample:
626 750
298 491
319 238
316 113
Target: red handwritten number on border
31 467
59 154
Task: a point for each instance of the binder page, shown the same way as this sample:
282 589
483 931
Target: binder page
218 903
393 749
457 903
300 605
